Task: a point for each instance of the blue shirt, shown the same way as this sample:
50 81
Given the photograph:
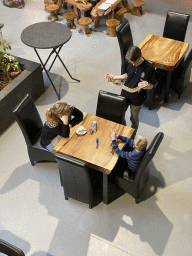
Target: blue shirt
133 157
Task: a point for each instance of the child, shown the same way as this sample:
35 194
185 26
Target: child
137 149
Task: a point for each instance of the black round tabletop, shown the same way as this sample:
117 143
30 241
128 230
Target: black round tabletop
45 35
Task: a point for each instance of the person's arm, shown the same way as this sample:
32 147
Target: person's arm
121 77
65 130
78 117
124 154
151 80
127 140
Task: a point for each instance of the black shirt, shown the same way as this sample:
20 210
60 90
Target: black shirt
146 72
48 134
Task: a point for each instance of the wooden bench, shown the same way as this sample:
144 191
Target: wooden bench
120 13
111 27
53 9
70 16
85 21
137 7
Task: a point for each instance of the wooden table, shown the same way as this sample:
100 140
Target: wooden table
101 158
77 6
166 54
97 13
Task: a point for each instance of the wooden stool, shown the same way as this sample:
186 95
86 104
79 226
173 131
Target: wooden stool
111 27
120 13
70 16
137 7
53 8
85 21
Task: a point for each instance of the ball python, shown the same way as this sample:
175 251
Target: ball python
131 90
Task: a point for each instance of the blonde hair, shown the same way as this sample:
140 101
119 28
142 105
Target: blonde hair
59 108
140 142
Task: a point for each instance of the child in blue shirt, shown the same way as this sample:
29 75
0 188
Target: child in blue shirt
137 149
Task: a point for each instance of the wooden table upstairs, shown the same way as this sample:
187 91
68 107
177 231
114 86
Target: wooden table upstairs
83 147
97 13
79 6
166 54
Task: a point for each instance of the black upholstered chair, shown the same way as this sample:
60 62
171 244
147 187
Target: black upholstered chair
125 40
135 185
176 25
30 122
9 249
77 179
111 107
181 75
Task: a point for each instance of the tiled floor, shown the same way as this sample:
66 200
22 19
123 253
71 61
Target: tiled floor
33 213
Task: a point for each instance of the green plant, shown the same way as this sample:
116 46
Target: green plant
7 63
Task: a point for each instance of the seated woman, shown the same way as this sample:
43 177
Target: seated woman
59 118
133 154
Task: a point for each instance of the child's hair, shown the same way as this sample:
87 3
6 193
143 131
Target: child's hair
140 142
59 108
133 53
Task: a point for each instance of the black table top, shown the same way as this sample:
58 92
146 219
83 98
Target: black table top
44 35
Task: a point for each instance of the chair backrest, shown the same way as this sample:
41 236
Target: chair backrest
176 25
75 178
125 40
111 106
29 120
9 249
181 75
142 173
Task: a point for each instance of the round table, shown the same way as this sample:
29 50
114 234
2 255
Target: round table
46 35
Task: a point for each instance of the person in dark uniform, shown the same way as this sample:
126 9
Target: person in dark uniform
139 72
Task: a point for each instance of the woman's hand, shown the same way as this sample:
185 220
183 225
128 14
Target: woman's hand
113 135
65 119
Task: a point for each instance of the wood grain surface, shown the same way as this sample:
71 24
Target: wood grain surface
102 158
79 5
164 52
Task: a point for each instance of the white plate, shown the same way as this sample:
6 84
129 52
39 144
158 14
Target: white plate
81 132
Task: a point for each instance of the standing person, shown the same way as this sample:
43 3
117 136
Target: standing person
139 72
59 119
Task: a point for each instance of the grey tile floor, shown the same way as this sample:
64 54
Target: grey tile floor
33 213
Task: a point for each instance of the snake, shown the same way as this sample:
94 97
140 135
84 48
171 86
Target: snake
131 90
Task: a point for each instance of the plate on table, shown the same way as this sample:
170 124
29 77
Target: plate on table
81 130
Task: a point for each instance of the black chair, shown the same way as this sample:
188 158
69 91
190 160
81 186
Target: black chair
125 40
9 249
77 179
181 75
135 184
111 107
176 25
30 122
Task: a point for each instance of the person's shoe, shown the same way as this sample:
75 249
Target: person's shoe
1 25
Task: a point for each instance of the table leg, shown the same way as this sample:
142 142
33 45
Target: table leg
77 12
126 5
167 86
105 189
58 96
97 21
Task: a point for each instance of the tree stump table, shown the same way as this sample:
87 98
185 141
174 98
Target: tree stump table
53 9
111 27
85 21
137 7
70 16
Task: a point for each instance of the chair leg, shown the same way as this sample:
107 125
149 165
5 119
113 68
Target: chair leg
66 198
90 206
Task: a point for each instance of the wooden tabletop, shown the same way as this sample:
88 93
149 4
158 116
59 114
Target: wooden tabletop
102 158
79 5
164 52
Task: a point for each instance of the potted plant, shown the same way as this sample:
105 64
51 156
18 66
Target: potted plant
18 77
